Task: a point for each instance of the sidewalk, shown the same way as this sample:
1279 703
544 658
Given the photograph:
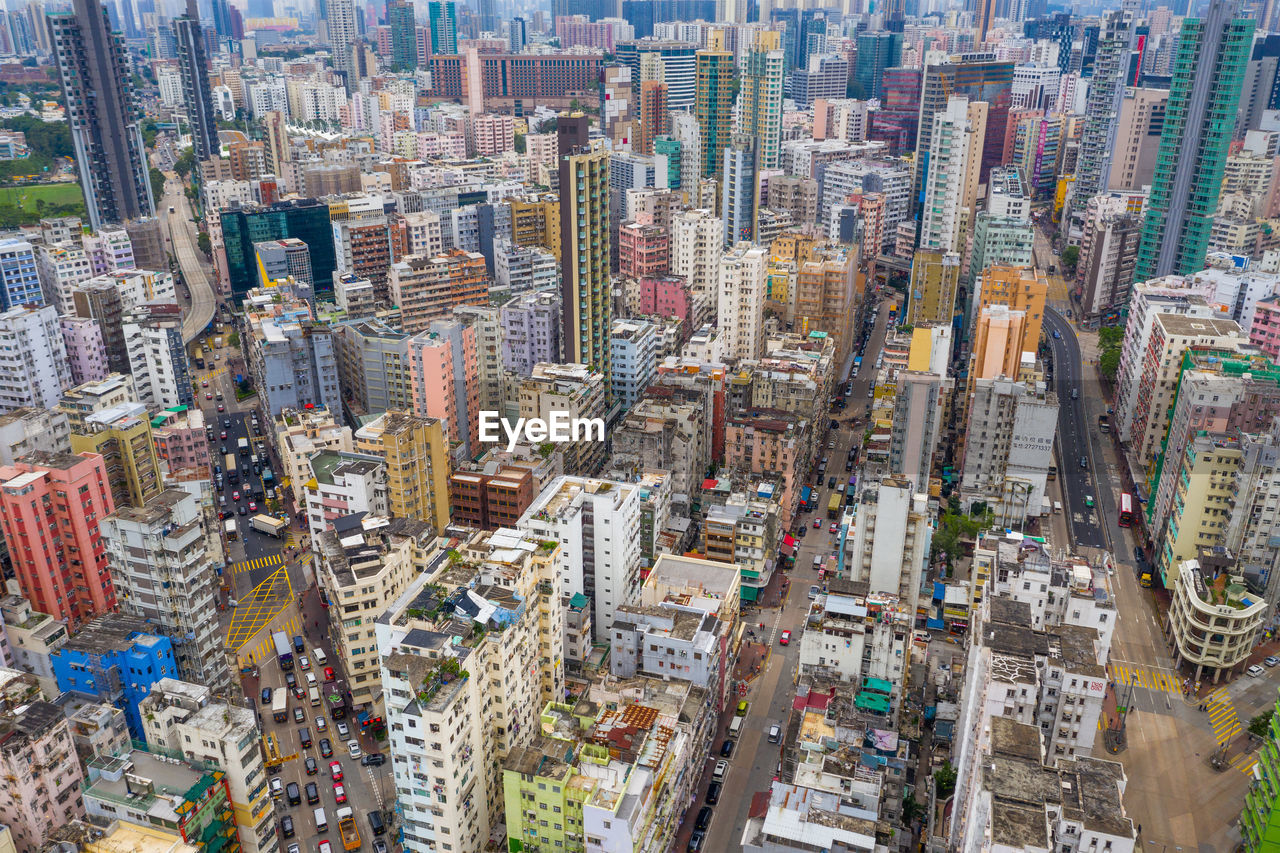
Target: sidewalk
752 659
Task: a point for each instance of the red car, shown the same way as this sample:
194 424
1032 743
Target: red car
817 523
785 639
328 674
224 433
208 396
339 793
204 384
220 408
335 770
833 528
235 496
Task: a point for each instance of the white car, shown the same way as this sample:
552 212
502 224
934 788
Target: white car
321 724
353 749
1255 670
303 662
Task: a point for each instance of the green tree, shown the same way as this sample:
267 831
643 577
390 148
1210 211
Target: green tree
149 132
233 340
157 183
944 780
1259 725
1070 257
203 243
521 146
1110 336
1109 362
185 164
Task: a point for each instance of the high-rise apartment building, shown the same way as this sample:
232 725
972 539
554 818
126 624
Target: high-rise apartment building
185 718
713 103
157 355
43 775
890 544
1208 73
952 144
584 246
980 79
33 362
443 24
427 289
163 573
51 505
653 115
697 241
103 113
343 30
19 280
121 435
1110 235
597 523
193 62
1102 110
404 36
740 190
741 302
877 52
760 97
416 453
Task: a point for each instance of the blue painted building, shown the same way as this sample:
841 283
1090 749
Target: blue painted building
19 283
115 659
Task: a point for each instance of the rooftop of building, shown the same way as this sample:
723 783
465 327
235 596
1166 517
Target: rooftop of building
712 580
1182 325
113 632
140 780
356 547
328 465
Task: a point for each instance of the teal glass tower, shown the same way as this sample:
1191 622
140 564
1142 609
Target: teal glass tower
1208 73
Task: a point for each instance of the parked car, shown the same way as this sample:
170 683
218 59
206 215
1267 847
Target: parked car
726 748
374 759
1254 670
353 749
695 840
1272 660
704 818
713 793
286 826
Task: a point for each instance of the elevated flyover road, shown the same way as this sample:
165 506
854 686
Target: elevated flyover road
175 210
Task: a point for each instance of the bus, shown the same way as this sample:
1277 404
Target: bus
284 651
280 705
230 470
1126 509
833 506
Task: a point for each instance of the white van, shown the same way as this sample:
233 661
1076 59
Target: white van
1057 507
318 656
314 695
321 823
735 725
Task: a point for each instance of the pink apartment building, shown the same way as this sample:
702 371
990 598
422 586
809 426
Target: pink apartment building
643 251
493 134
43 776
1265 331
86 351
180 441
50 505
667 296
768 443
443 373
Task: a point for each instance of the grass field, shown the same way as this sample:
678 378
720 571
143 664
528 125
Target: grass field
53 194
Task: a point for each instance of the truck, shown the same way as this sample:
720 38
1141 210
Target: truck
348 830
1145 578
230 529
231 469
242 446
268 525
271 757
267 476
833 506
1104 423
280 705
284 652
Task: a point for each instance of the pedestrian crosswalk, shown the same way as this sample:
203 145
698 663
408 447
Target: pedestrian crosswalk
1152 678
256 563
1222 716
1245 762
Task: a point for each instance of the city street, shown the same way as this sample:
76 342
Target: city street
755 762
181 230
1073 385
366 787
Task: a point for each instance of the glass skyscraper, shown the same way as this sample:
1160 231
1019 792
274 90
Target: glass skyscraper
306 220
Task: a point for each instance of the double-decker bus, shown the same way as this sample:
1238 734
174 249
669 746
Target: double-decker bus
1126 509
